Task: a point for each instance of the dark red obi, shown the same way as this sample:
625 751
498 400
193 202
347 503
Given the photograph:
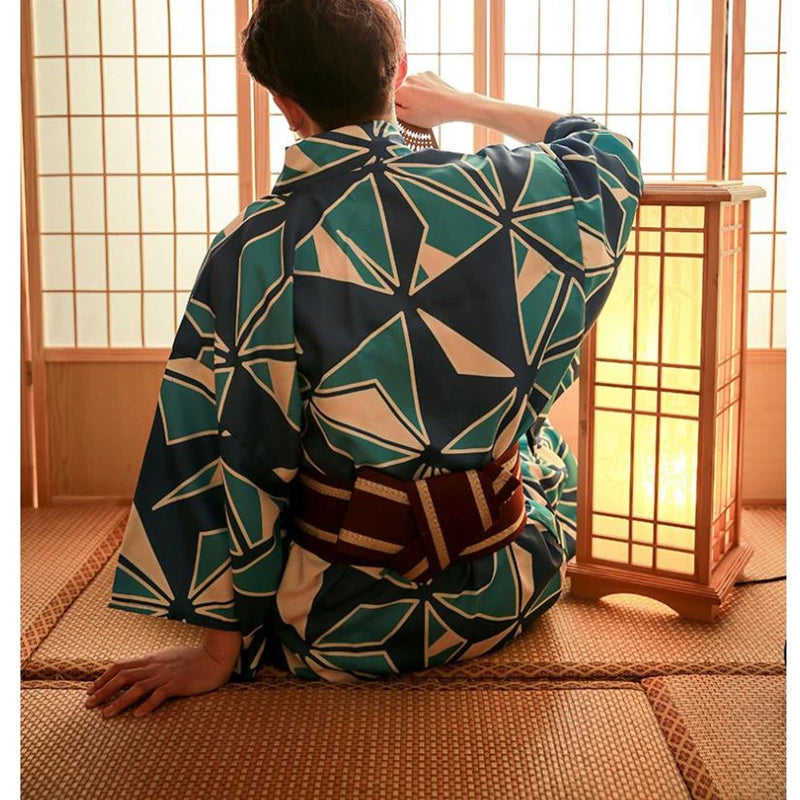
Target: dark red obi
414 527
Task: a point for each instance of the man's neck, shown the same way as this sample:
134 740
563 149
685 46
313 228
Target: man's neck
313 129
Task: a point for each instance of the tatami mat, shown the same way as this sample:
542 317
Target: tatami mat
619 636
632 636
61 550
597 742
488 727
91 635
765 529
727 734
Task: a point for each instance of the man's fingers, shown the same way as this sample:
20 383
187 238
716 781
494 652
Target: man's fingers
135 693
157 697
123 678
113 670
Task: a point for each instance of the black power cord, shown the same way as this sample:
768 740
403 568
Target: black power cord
766 580
760 580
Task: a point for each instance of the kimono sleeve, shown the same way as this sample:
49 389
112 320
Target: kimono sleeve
205 541
570 202
605 182
572 197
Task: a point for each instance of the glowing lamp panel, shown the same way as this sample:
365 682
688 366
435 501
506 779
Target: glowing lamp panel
727 405
645 421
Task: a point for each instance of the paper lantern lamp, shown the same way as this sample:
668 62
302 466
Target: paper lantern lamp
661 398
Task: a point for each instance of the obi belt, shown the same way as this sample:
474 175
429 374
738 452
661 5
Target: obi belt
415 527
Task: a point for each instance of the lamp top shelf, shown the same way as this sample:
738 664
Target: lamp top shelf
682 192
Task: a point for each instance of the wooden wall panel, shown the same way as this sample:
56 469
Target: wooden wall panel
99 416
764 478
25 431
31 262
27 459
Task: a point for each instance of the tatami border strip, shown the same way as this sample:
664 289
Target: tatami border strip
44 622
84 670
385 684
687 756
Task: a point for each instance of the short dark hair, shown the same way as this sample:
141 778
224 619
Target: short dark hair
335 58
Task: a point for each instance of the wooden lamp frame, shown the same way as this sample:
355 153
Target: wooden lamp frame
719 554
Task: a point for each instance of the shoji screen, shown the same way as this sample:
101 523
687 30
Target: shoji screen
137 150
643 67
137 159
143 137
440 36
758 151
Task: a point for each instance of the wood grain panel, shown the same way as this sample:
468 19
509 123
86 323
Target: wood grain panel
27 459
243 102
99 420
736 120
764 468
480 66
100 417
25 418
31 262
497 64
716 101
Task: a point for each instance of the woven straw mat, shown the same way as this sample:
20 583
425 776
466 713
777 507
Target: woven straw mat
598 742
61 550
727 734
765 529
575 639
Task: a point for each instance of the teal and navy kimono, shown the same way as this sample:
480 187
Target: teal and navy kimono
417 312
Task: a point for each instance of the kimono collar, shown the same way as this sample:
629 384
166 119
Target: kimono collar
345 148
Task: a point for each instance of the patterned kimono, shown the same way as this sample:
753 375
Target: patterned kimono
416 312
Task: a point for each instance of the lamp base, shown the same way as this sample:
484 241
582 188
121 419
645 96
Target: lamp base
690 599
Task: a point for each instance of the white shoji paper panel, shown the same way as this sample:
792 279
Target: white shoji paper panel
137 151
639 66
763 136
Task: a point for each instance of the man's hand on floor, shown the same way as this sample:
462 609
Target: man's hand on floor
150 680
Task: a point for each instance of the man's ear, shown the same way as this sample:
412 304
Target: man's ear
402 71
290 110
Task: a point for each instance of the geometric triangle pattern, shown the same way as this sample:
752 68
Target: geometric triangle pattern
442 247
351 241
415 312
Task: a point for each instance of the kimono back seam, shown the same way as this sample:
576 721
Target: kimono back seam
416 312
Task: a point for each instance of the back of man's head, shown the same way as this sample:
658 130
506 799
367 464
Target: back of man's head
335 58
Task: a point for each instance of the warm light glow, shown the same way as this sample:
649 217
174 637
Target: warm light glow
685 217
609 550
647 310
611 472
647 397
682 295
644 460
615 326
661 410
